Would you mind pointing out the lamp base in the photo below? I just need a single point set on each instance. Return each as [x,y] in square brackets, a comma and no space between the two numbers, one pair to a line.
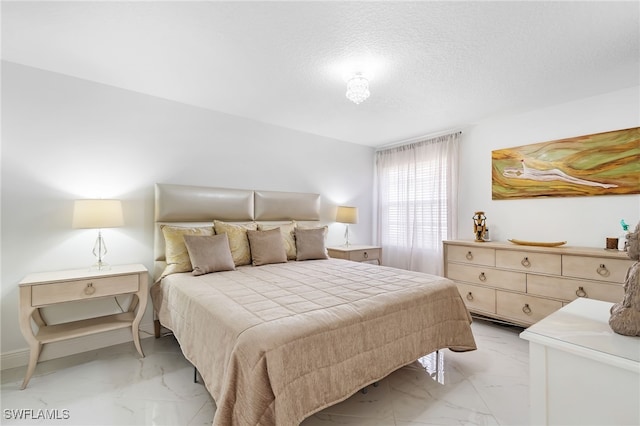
[99,250]
[100,266]
[346,236]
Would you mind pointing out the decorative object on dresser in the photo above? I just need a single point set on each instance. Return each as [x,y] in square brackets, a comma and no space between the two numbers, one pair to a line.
[347,215]
[538,243]
[44,289]
[622,241]
[625,315]
[523,284]
[357,253]
[611,243]
[479,226]
[581,372]
[98,214]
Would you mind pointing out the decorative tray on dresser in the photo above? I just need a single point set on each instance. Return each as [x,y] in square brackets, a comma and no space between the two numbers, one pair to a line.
[521,284]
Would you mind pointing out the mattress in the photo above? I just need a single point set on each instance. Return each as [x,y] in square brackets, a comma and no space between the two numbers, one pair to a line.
[276,343]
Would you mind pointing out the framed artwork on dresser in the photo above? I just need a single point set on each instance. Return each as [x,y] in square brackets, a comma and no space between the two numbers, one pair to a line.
[599,164]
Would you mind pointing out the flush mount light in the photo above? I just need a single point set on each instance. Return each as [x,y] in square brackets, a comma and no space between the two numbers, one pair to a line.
[357,88]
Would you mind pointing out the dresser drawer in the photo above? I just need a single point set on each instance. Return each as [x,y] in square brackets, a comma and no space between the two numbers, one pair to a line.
[472,255]
[524,308]
[545,263]
[570,289]
[65,291]
[595,268]
[478,298]
[488,277]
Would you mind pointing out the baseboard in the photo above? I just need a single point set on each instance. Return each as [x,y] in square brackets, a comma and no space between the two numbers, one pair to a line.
[20,358]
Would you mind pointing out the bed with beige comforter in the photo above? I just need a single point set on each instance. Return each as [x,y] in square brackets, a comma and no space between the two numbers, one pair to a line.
[276,343]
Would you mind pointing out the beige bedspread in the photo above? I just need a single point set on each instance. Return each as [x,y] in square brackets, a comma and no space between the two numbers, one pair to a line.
[276,343]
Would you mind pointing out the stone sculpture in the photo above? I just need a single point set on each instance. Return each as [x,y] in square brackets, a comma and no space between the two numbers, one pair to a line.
[625,315]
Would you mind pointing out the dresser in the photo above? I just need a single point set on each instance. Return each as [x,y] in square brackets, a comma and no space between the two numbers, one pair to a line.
[523,284]
[44,289]
[581,372]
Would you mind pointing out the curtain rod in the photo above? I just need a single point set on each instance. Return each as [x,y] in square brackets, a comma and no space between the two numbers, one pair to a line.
[417,139]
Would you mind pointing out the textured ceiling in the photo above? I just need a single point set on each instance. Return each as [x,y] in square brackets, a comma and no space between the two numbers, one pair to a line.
[435,66]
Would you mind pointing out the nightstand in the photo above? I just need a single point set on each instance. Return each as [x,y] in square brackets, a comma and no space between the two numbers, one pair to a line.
[357,253]
[49,288]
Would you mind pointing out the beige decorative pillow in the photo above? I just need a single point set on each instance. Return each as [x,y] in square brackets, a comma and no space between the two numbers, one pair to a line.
[209,254]
[176,254]
[266,247]
[310,243]
[238,241]
[288,236]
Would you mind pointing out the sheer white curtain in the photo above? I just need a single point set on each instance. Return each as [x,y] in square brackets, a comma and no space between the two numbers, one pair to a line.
[417,202]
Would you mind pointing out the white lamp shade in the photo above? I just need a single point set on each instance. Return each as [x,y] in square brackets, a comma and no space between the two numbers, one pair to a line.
[97,214]
[347,214]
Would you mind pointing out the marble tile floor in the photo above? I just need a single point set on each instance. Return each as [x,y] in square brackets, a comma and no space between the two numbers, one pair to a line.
[113,386]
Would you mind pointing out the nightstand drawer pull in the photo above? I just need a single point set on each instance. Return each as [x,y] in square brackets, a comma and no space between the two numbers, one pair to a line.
[482,277]
[469,296]
[602,270]
[89,289]
[580,292]
[525,262]
[365,255]
[526,309]
[469,256]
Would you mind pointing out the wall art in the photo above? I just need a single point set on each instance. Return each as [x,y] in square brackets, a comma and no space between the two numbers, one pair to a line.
[599,164]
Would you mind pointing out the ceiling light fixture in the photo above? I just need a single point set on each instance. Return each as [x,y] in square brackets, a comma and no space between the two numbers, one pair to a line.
[357,88]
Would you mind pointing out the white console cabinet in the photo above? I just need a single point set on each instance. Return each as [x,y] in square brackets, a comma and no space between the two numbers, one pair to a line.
[581,372]
[523,284]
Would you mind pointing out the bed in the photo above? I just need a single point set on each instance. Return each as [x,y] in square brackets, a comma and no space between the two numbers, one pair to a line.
[278,342]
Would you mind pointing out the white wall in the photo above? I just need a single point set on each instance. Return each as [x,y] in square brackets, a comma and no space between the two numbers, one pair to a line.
[581,221]
[64,138]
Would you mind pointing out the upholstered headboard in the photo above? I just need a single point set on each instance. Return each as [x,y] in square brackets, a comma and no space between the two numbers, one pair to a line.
[199,205]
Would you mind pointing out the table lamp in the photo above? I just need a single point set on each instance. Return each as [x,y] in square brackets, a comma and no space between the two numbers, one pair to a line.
[98,214]
[347,215]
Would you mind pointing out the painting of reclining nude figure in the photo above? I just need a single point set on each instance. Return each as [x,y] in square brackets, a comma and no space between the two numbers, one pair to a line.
[599,164]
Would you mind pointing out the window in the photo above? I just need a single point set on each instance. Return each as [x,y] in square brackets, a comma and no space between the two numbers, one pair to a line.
[417,202]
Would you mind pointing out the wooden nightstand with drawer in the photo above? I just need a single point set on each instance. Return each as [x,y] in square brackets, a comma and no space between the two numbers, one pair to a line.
[49,288]
[356,253]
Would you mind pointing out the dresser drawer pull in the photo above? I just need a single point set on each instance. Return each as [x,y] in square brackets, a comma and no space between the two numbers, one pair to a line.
[602,270]
[89,289]
[580,292]
[482,277]
[469,256]
[365,255]
[525,262]
[469,296]
[526,309]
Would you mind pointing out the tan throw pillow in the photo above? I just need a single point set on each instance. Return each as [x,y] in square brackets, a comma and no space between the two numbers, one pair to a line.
[176,254]
[288,237]
[266,247]
[310,243]
[238,241]
[209,254]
